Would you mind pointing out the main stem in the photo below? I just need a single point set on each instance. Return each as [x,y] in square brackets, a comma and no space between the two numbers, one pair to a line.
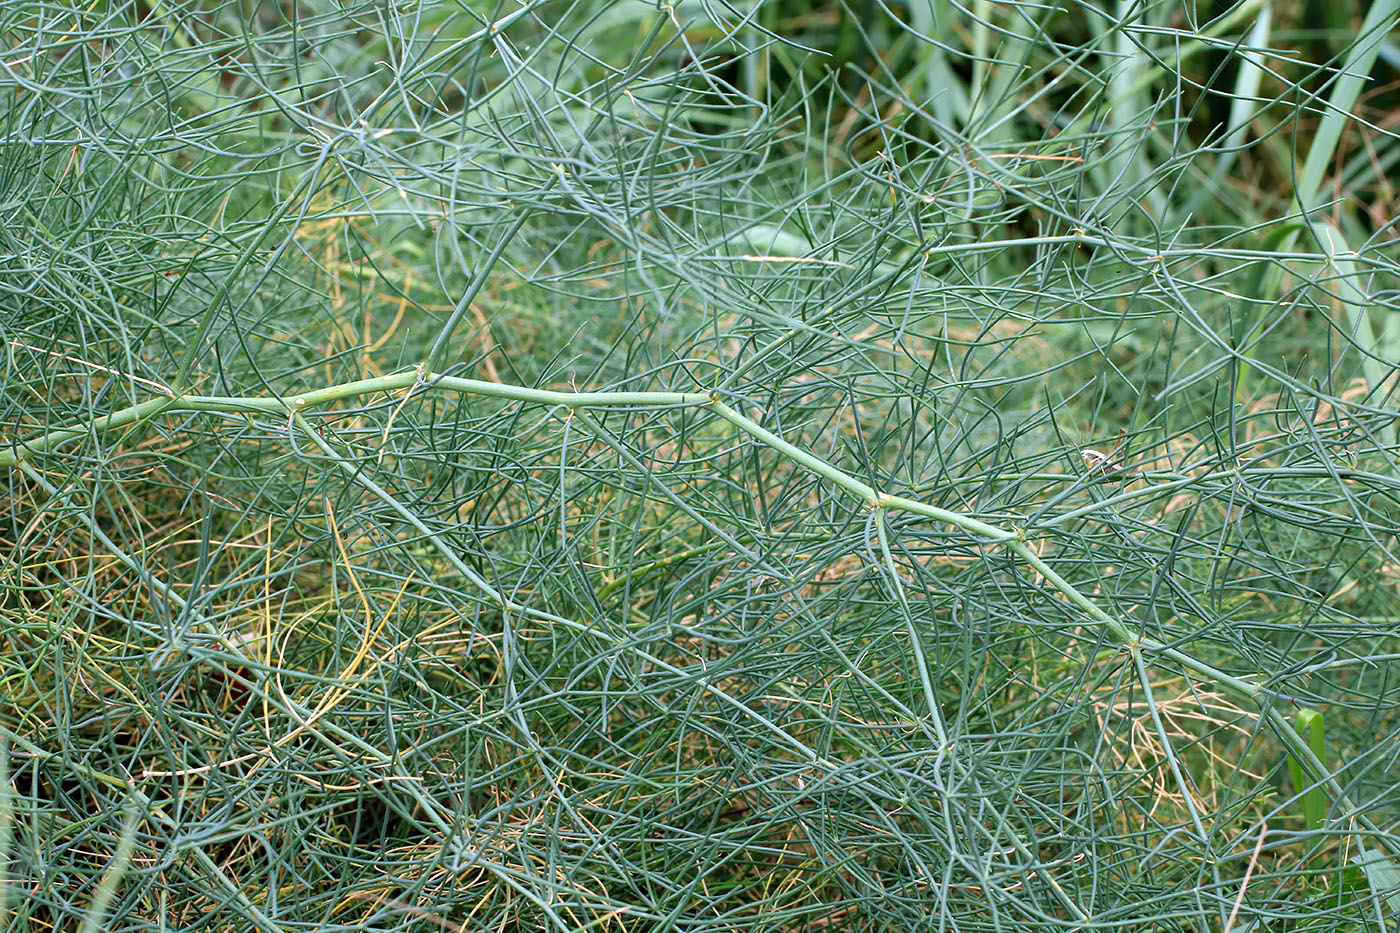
[292,406]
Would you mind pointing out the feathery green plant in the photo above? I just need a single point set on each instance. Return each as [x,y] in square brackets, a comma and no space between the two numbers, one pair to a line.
[589,466]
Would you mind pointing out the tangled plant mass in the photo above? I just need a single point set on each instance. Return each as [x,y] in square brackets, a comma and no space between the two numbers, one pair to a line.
[771,468]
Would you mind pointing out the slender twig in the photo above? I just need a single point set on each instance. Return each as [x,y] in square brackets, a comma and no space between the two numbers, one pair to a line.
[296,406]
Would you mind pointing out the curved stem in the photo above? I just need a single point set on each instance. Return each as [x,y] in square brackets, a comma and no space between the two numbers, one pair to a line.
[1015,541]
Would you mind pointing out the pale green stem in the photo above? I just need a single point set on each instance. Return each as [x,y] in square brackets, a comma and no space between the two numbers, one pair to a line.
[1187,794]
[293,406]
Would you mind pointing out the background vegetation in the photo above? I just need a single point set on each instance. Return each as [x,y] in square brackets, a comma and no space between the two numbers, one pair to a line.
[348,582]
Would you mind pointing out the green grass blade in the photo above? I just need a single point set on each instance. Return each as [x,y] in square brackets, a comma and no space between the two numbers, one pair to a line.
[1314,799]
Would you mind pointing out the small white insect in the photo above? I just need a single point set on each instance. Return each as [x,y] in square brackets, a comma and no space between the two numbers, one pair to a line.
[1100,462]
